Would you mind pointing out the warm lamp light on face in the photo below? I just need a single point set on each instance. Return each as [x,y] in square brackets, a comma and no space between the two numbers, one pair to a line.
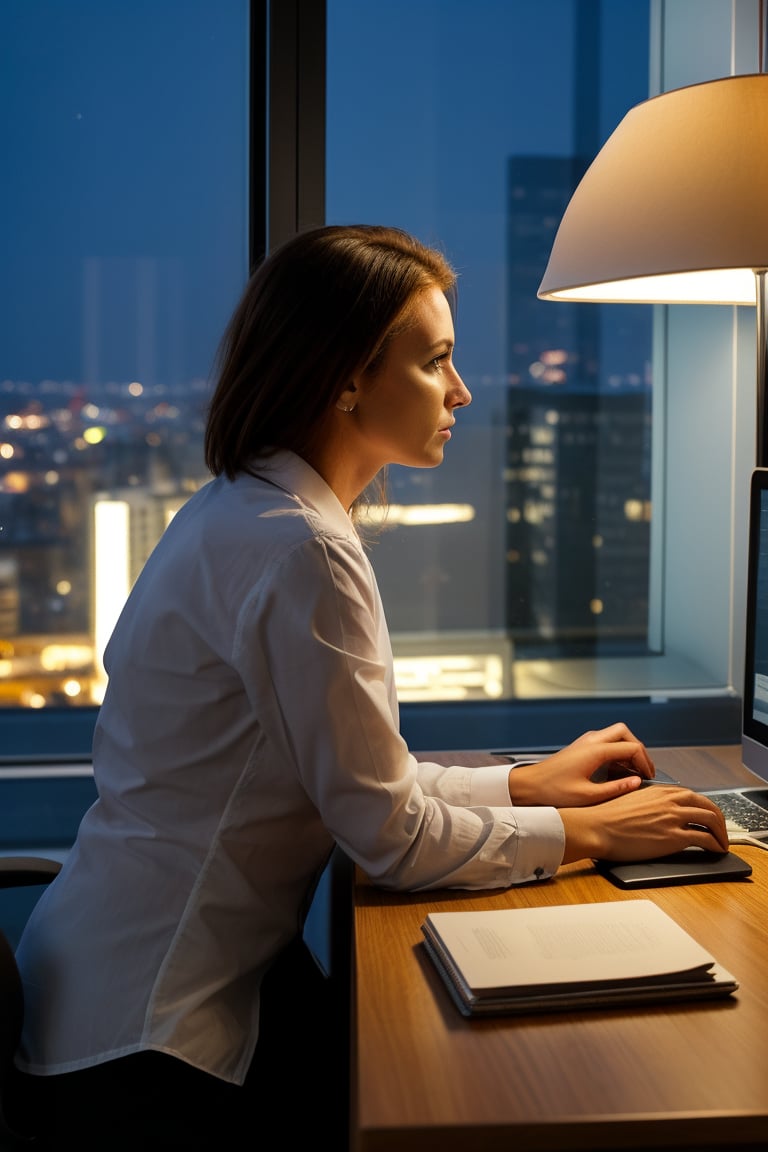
[674,210]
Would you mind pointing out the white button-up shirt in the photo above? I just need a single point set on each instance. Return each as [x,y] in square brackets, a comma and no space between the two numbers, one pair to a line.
[250,721]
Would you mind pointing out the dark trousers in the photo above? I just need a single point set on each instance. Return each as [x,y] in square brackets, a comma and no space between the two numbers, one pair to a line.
[297,1085]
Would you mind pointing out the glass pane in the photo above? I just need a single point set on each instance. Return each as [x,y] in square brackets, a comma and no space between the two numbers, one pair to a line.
[124,239]
[469,123]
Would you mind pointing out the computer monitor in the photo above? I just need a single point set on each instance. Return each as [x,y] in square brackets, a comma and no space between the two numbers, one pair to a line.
[755,706]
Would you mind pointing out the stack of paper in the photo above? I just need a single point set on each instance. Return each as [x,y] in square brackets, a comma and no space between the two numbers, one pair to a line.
[569,956]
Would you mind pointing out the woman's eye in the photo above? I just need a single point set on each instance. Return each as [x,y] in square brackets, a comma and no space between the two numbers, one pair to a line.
[437,363]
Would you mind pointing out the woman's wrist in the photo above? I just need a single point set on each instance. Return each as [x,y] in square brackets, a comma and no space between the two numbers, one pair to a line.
[524,785]
[583,840]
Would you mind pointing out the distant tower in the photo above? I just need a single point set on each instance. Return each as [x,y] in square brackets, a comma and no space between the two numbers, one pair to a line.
[125,526]
[577,489]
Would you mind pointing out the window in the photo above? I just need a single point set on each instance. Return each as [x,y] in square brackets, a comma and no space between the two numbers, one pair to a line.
[125,241]
[532,541]
[583,540]
[563,561]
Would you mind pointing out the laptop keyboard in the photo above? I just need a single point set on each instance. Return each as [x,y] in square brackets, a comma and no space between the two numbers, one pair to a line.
[742,814]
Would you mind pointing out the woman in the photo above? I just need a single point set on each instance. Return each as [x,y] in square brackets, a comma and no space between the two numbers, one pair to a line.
[250,724]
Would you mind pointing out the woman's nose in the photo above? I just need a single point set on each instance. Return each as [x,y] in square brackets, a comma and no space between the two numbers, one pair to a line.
[461,395]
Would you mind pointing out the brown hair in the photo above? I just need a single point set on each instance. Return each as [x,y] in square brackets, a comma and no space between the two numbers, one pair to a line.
[316,313]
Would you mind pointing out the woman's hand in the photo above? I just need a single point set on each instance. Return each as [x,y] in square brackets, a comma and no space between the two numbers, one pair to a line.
[615,818]
[564,780]
[644,824]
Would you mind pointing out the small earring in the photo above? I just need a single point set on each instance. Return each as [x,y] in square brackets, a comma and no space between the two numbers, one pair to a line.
[345,407]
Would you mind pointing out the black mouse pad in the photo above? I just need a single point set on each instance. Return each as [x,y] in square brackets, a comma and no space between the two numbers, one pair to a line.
[691,866]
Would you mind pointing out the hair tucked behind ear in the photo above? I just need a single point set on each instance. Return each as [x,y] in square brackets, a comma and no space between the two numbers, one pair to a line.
[317,312]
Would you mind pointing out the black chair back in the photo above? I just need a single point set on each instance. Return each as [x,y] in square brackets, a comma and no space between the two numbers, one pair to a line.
[15,872]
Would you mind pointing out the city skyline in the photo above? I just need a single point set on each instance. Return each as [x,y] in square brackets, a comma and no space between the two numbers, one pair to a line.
[116,314]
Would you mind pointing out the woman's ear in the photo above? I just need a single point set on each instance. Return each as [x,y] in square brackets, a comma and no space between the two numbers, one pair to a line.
[347,402]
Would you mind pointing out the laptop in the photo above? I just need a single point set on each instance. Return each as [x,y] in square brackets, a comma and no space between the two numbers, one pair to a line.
[746,809]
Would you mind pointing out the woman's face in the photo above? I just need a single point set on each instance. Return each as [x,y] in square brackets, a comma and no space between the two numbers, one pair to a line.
[405,409]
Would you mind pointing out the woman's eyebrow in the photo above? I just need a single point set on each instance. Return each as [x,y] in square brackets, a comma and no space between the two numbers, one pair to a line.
[444,343]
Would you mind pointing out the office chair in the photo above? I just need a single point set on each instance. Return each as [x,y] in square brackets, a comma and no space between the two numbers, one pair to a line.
[15,872]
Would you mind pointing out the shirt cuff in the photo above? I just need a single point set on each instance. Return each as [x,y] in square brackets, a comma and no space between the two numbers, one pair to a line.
[489,786]
[540,839]
[540,842]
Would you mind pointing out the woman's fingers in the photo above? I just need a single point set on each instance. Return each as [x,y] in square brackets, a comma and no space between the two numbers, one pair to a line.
[620,747]
[706,818]
[645,823]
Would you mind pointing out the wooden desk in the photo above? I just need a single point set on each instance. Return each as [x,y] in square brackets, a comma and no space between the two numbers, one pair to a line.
[689,1077]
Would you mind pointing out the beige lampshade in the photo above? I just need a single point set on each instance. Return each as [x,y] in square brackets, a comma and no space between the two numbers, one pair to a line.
[674,208]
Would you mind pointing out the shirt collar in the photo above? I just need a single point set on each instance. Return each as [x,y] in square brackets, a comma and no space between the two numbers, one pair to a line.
[292,473]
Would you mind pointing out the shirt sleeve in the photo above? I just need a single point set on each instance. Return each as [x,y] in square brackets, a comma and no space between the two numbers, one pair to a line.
[539,829]
[327,703]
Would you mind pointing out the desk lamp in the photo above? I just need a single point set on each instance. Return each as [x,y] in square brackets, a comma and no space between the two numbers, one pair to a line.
[674,209]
